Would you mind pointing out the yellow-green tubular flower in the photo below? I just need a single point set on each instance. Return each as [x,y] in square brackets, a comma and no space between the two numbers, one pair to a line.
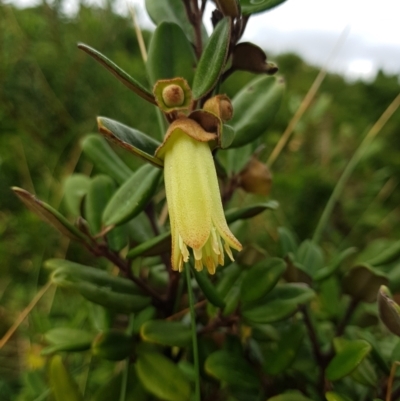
[194,202]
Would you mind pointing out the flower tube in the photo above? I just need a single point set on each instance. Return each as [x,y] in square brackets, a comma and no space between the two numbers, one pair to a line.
[194,202]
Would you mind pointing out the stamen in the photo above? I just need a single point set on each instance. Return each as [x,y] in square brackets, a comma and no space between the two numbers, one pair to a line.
[210,264]
[228,251]
[180,264]
[198,253]
[184,249]
[214,241]
[198,265]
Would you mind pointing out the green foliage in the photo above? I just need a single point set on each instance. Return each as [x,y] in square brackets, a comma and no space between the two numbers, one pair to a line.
[292,318]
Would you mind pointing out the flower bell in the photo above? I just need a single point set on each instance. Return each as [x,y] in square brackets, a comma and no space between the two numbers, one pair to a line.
[195,208]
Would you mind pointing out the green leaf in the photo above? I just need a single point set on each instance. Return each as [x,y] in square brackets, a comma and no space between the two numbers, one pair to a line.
[173,11]
[334,265]
[166,333]
[259,6]
[61,382]
[119,73]
[142,317]
[170,54]
[227,136]
[376,352]
[118,237]
[116,301]
[364,373]
[281,358]
[310,257]
[113,345]
[362,282]
[287,241]
[282,302]
[347,359]
[212,61]
[67,339]
[249,211]
[389,255]
[100,191]
[290,396]
[49,215]
[231,368]
[75,188]
[97,286]
[208,289]
[78,272]
[162,378]
[331,396]
[152,247]
[104,158]
[133,196]
[228,278]
[261,279]
[255,107]
[130,139]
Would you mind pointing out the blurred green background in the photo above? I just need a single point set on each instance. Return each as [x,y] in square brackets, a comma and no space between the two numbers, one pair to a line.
[50,94]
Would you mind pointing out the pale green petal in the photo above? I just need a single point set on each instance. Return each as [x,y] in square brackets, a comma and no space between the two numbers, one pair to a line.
[185,165]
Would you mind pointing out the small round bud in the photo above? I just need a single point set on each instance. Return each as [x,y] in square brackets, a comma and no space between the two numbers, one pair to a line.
[173,95]
[221,106]
[225,109]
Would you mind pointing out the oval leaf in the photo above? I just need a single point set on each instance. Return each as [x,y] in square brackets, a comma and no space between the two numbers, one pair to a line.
[170,54]
[212,60]
[67,339]
[104,158]
[130,139]
[232,369]
[347,360]
[285,352]
[388,255]
[310,257]
[255,107]
[259,6]
[227,136]
[162,378]
[132,197]
[119,73]
[282,302]
[287,241]
[261,279]
[166,333]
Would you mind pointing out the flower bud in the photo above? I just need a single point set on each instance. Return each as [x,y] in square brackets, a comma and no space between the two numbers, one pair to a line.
[221,106]
[173,95]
